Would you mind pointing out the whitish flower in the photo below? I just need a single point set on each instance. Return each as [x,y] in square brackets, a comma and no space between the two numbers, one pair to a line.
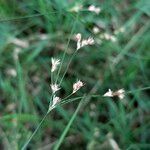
[113,144]
[109,37]
[120,30]
[12,72]
[16,52]
[78,39]
[95,30]
[55,63]
[19,42]
[84,42]
[90,41]
[113,38]
[55,100]
[76,8]
[109,93]
[120,93]
[55,88]
[78,36]
[43,36]
[92,8]
[77,86]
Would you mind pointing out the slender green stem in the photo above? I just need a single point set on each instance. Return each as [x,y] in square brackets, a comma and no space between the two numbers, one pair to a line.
[77,98]
[64,54]
[141,89]
[70,100]
[39,125]
[68,96]
[68,66]
[51,77]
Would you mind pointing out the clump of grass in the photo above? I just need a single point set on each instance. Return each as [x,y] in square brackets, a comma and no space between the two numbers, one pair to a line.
[55,87]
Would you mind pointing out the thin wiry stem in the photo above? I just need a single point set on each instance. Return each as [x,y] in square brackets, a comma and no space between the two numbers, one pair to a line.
[39,125]
[141,89]
[70,100]
[68,96]
[64,54]
[73,55]
[77,98]
[51,101]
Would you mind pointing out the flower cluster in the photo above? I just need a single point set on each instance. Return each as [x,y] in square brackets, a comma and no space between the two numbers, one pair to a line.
[96,30]
[77,86]
[109,37]
[92,8]
[76,8]
[120,30]
[55,101]
[55,87]
[120,93]
[81,43]
[55,63]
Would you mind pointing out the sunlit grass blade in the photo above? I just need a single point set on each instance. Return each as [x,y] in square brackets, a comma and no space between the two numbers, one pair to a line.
[58,144]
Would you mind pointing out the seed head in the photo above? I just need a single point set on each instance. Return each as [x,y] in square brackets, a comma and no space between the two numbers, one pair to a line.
[20,43]
[92,8]
[78,39]
[95,30]
[55,63]
[77,86]
[84,42]
[55,87]
[76,8]
[119,93]
[120,30]
[12,72]
[90,41]
[55,100]
[109,93]
[16,52]
[108,36]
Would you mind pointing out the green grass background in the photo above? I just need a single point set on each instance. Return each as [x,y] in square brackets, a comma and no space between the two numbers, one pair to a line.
[24,99]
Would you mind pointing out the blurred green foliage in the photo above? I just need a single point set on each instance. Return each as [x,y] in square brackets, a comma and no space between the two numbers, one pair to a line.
[43,28]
